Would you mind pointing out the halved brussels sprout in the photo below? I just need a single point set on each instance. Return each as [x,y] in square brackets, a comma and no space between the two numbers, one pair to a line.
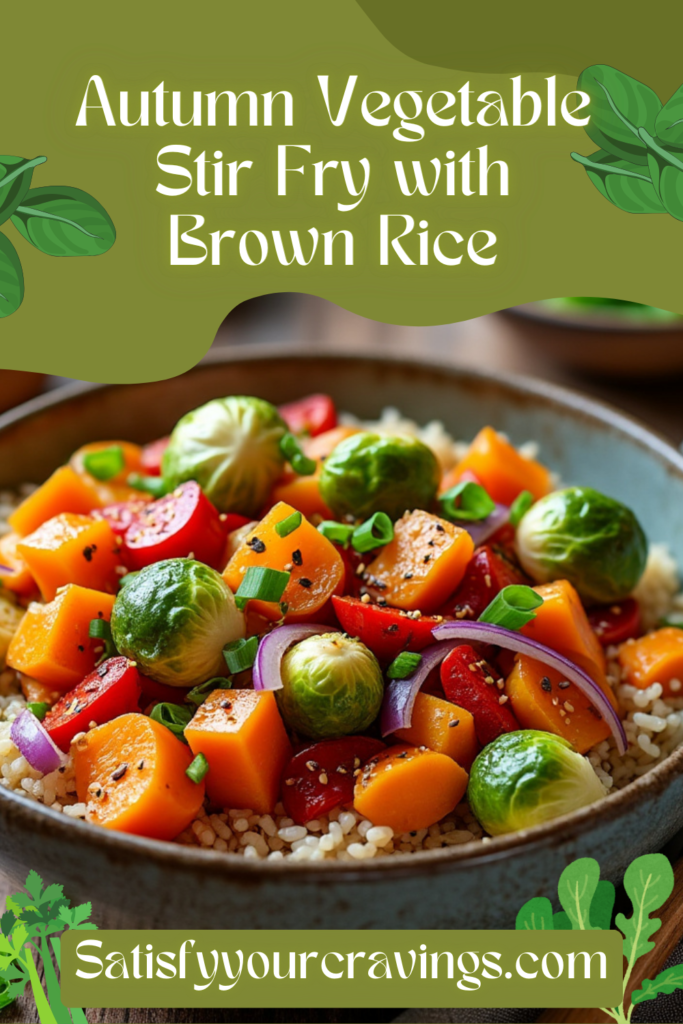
[583,536]
[527,777]
[231,447]
[369,473]
[174,618]
[332,686]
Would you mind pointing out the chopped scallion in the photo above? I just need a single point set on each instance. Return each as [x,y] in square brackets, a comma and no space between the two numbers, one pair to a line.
[99,629]
[300,463]
[39,709]
[468,501]
[174,716]
[240,654]
[198,694]
[520,506]
[198,769]
[261,584]
[375,532]
[404,665]
[154,485]
[512,608]
[105,463]
[340,533]
[288,525]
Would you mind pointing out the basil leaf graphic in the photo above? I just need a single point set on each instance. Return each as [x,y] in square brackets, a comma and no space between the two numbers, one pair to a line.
[11,278]
[619,106]
[669,122]
[536,915]
[625,184]
[668,981]
[576,888]
[666,170]
[15,181]
[649,881]
[603,905]
[64,221]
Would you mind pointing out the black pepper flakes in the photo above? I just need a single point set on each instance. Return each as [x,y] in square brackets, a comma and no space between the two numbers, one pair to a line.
[227,704]
[452,724]
[393,628]
[407,575]
[88,552]
[119,772]
[546,685]
[303,581]
[440,528]
[564,685]
[297,557]
[427,558]
[256,545]
[81,648]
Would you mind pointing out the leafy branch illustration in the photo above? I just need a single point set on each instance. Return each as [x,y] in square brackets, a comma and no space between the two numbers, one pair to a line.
[57,219]
[587,904]
[639,166]
[29,928]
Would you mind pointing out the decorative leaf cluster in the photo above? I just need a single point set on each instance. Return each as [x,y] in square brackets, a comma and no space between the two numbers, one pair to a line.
[30,925]
[639,166]
[57,219]
[587,904]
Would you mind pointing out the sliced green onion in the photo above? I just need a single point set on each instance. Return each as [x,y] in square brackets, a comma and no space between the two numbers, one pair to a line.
[373,533]
[520,506]
[300,463]
[340,533]
[174,716]
[240,654]
[198,769]
[154,485]
[288,525]
[198,694]
[512,608]
[404,665]
[261,584]
[99,629]
[105,463]
[468,501]
[39,709]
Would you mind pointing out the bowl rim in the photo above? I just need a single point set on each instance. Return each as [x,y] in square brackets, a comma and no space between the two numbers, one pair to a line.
[567,827]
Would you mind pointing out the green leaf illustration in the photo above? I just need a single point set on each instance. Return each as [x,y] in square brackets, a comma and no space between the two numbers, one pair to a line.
[669,122]
[603,905]
[576,888]
[620,105]
[64,221]
[561,921]
[666,170]
[536,915]
[668,981]
[34,886]
[624,183]
[15,181]
[649,881]
[5,995]
[7,922]
[11,278]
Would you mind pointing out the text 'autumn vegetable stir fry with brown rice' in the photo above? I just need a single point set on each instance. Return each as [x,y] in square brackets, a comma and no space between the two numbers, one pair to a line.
[282,636]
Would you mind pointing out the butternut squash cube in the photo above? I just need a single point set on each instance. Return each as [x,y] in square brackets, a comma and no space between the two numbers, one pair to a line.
[71,548]
[443,727]
[64,491]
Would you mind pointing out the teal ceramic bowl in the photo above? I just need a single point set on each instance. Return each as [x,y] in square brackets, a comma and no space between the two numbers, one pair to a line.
[139,882]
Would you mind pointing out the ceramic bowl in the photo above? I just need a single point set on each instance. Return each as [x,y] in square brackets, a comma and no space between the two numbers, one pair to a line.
[138,882]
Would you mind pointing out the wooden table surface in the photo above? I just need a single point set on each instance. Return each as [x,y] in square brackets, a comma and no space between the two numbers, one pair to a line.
[496,342]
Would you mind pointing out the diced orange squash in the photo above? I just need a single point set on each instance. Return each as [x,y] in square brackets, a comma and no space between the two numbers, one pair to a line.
[655,658]
[52,643]
[315,565]
[72,548]
[424,563]
[322,445]
[116,489]
[562,624]
[443,727]
[38,693]
[501,469]
[409,788]
[130,773]
[64,491]
[241,734]
[542,698]
[14,572]
[302,493]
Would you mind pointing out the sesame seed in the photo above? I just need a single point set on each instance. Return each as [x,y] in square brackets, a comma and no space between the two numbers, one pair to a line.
[312,766]
[289,782]
[322,779]
[568,707]
[503,699]
[564,685]
[452,724]
[366,599]
[119,772]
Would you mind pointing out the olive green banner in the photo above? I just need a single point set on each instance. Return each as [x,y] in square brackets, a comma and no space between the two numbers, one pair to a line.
[341,968]
[189,160]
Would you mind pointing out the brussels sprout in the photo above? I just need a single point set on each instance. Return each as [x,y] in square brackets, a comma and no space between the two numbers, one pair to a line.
[231,447]
[332,686]
[174,619]
[369,473]
[525,778]
[582,536]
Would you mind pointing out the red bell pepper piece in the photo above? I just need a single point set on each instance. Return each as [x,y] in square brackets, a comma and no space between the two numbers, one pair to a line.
[152,455]
[386,631]
[485,576]
[323,775]
[110,690]
[312,415]
[182,523]
[464,679]
[123,514]
[615,623]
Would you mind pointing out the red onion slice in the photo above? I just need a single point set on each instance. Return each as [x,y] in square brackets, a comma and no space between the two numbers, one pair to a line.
[481,529]
[400,695]
[273,648]
[35,743]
